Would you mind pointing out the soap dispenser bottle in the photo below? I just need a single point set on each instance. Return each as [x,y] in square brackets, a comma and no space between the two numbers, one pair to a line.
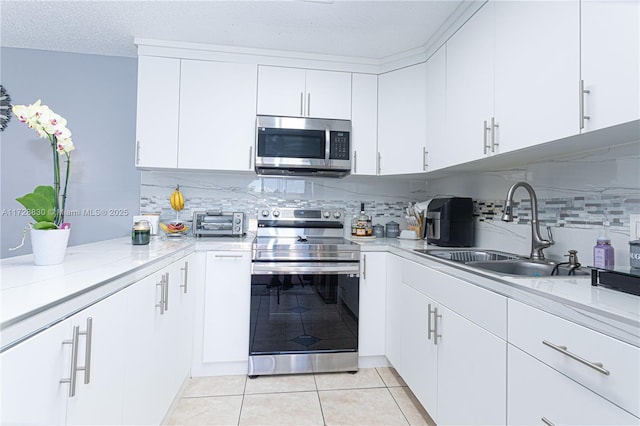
[603,254]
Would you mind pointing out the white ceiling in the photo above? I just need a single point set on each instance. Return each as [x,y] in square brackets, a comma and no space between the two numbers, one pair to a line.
[367,29]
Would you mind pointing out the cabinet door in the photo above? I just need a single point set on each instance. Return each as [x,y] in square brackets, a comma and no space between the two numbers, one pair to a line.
[394,311]
[31,374]
[470,86]
[227,304]
[610,55]
[372,318]
[157,113]
[537,59]
[471,369]
[100,400]
[401,121]
[146,396]
[439,152]
[420,365]
[281,91]
[217,115]
[180,324]
[328,94]
[538,394]
[364,124]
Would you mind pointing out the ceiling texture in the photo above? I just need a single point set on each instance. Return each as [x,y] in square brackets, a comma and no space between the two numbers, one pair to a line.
[359,29]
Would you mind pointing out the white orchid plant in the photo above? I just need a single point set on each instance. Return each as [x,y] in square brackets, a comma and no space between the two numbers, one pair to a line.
[46,204]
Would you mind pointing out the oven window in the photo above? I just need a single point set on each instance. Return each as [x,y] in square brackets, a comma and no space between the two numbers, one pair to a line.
[291,143]
[303,314]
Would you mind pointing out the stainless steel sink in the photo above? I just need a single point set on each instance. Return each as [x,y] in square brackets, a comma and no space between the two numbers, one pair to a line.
[527,268]
[466,255]
[503,263]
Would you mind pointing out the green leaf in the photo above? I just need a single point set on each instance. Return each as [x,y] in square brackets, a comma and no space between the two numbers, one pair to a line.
[40,204]
[44,225]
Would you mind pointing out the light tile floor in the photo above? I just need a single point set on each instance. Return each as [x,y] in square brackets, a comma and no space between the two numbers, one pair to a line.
[373,396]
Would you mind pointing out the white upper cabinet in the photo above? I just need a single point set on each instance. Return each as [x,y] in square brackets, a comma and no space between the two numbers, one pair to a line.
[364,124]
[402,121]
[217,115]
[610,55]
[157,114]
[297,92]
[438,151]
[537,59]
[470,88]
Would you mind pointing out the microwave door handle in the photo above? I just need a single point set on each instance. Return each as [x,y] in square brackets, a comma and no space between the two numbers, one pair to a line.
[327,146]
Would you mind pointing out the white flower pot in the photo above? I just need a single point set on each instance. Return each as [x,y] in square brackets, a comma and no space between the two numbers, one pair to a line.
[49,245]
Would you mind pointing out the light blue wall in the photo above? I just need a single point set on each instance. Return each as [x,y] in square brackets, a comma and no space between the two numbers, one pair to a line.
[97,96]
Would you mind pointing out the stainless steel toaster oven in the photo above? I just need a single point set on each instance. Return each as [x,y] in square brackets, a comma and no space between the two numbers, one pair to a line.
[215,223]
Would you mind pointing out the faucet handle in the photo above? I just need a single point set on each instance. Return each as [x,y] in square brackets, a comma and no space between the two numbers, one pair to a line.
[573,258]
[550,235]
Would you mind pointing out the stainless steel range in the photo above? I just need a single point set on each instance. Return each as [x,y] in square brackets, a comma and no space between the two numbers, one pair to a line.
[304,293]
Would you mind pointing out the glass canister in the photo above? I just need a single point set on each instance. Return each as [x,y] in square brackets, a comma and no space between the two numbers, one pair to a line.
[141,233]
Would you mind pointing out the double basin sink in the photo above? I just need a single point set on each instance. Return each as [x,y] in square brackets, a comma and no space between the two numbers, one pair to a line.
[505,263]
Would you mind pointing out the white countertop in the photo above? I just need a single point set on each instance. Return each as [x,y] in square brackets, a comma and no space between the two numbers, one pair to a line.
[612,312]
[32,297]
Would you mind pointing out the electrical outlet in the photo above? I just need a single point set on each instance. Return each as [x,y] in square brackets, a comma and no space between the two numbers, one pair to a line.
[634,226]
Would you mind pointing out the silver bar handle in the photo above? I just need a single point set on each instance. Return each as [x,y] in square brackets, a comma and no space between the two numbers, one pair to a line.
[87,353]
[308,104]
[73,370]
[581,103]
[355,161]
[186,274]
[364,266]
[563,350]
[424,158]
[137,153]
[494,126]
[547,422]
[161,303]
[250,156]
[436,335]
[227,256]
[429,331]
[485,129]
[166,292]
[379,160]
[302,104]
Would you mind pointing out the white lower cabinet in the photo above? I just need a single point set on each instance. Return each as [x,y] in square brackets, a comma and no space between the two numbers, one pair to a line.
[32,392]
[226,306]
[538,394]
[371,316]
[455,367]
[157,313]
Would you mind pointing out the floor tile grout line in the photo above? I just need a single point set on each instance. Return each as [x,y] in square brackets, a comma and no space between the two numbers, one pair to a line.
[399,407]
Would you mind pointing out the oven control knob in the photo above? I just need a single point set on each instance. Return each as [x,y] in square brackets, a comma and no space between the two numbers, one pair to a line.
[276,213]
[265,213]
[337,214]
[326,214]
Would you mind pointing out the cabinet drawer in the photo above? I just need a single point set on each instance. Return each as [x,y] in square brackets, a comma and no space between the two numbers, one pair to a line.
[605,365]
[537,392]
[478,305]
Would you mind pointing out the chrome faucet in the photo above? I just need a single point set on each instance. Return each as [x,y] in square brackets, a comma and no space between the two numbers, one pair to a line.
[537,242]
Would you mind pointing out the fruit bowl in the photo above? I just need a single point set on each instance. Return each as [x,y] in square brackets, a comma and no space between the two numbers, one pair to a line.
[174,228]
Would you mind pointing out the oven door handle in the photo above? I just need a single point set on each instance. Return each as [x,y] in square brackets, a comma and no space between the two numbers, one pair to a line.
[344,268]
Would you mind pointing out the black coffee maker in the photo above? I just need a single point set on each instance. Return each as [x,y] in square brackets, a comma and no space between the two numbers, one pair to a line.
[449,222]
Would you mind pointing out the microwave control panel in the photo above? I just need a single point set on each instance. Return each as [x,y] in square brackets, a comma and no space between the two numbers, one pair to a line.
[339,145]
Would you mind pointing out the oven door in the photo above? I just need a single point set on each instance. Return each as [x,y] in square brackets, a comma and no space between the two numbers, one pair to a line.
[303,310]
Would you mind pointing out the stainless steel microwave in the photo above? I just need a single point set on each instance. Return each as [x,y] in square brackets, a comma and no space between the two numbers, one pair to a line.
[293,146]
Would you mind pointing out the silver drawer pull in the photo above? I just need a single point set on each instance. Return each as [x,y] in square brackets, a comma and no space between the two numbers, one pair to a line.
[73,369]
[547,422]
[563,349]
